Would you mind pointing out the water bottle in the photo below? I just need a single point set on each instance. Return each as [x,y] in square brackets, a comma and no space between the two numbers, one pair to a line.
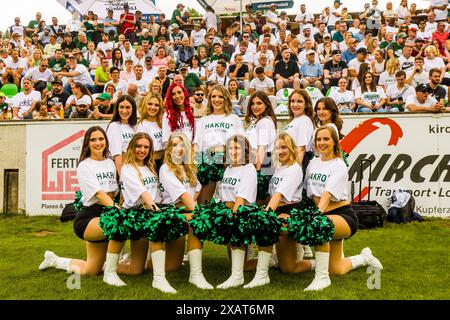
[9,113]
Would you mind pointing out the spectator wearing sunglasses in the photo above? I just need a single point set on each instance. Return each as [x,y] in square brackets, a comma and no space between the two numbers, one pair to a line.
[198,102]
[40,76]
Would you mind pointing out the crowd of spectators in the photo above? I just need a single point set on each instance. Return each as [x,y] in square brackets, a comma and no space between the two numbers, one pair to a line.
[379,60]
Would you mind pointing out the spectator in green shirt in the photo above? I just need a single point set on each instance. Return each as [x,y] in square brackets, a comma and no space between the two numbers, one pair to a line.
[191,80]
[57,62]
[395,49]
[177,16]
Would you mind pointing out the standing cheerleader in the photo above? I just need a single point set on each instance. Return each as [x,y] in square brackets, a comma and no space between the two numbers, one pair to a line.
[152,109]
[301,127]
[238,187]
[326,113]
[140,186]
[96,175]
[180,186]
[326,183]
[178,115]
[285,191]
[212,131]
[121,128]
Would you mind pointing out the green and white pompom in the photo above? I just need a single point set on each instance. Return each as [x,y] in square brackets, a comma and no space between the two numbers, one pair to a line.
[119,224]
[262,186]
[212,222]
[309,227]
[77,202]
[166,225]
[210,168]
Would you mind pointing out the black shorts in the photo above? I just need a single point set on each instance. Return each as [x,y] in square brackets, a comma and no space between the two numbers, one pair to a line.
[83,218]
[349,215]
[287,208]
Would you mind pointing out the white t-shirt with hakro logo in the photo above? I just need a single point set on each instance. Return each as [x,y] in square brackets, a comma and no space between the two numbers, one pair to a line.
[133,185]
[288,180]
[240,182]
[327,176]
[301,129]
[262,133]
[172,188]
[119,136]
[94,176]
[214,130]
[154,131]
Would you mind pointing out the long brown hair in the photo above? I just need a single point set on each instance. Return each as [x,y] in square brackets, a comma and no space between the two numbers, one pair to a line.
[268,112]
[144,108]
[308,103]
[337,148]
[86,151]
[130,155]
[190,169]
[330,105]
[373,84]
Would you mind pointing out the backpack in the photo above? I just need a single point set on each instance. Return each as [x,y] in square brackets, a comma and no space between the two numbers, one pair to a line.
[402,207]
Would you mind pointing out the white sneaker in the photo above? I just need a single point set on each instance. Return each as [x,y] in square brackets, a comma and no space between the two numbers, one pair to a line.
[49,260]
[307,252]
[163,285]
[370,260]
[231,282]
[319,283]
[113,279]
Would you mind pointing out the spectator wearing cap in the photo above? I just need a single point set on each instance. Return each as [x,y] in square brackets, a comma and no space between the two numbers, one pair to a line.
[103,108]
[351,52]
[303,17]
[286,71]
[52,46]
[272,18]
[82,108]
[127,22]
[77,73]
[283,19]
[177,15]
[311,71]
[176,36]
[17,40]
[56,96]
[394,49]
[355,63]
[197,35]
[68,45]
[73,25]
[24,102]
[305,35]
[333,70]
[422,102]
[79,56]
[190,79]
[302,56]
[110,24]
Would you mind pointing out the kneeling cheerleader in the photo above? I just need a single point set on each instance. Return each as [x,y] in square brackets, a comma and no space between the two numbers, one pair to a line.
[180,186]
[326,184]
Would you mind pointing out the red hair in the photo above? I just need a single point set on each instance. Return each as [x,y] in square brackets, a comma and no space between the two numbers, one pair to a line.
[173,113]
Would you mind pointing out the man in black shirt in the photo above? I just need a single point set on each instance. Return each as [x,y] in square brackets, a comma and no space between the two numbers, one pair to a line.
[240,72]
[286,71]
[436,91]
[68,45]
[333,70]
[57,96]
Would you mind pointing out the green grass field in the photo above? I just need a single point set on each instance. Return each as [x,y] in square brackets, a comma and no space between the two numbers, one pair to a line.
[415,259]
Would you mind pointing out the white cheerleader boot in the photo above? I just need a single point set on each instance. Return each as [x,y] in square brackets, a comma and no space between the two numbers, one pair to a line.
[300,252]
[237,270]
[307,252]
[110,275]
[196,276]
[159,273]
[262,271]
[365,258]
[51,260]
[322,278]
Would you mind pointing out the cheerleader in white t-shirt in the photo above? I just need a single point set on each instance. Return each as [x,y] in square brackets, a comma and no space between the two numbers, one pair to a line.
[326,113]
[285,191]
[178,115]
[301,127]
[180,186]
[152,108]
[326,184]
[121,128]
[212,131]
[96,175]
[238,187]
[140,186]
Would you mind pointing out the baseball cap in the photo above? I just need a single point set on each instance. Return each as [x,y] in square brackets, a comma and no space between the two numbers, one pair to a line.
[2,94]
[84,100]
[81,33]
[402,35]
[310,52]
[413,28]
[362,50]
[422,87]
[333,52]
[183,66]
[104,96]
[307,26]
[218,42]
[283,12]
[57,81]
[174,26]
[148,58]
